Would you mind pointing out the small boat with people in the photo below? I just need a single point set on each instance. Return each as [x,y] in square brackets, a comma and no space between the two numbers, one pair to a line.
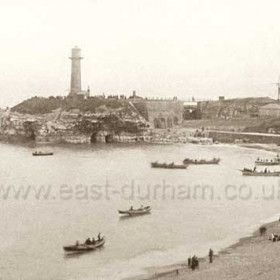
[253,172]
[168,165]
[267,162]
[201,161]
[133,212]
[88,245]
[274,161]
[40,153]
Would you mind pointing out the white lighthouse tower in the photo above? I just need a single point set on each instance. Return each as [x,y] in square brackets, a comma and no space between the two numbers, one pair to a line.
[76,81]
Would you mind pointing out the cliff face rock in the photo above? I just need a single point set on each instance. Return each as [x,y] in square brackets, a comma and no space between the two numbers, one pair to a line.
[73,126]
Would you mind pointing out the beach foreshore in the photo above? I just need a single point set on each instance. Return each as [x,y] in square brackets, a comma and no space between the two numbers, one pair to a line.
[260,146]
[253,257]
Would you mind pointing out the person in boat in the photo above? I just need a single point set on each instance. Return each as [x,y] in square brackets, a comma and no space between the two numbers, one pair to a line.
[88,242]
[197,262]
[99,236]
[93,241]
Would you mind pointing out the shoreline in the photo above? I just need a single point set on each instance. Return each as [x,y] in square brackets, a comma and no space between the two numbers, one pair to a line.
[261,146]
[248,258]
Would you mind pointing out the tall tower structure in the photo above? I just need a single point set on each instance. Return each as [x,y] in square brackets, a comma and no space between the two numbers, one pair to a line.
[76,71]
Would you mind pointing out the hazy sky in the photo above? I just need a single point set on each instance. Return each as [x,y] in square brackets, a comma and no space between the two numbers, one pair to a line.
[164,48]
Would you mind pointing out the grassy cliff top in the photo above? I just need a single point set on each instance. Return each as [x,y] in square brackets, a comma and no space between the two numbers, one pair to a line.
[41,105]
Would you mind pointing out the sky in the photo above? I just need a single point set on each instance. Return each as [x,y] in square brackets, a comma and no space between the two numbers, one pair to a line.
[160,48]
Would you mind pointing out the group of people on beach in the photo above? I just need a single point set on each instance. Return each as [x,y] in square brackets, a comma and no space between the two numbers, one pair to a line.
[274,237]
[193,262]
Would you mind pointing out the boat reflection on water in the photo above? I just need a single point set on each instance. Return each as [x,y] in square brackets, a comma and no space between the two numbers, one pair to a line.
[77,254]
[128,217]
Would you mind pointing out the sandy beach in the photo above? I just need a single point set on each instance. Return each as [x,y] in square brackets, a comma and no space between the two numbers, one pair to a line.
[253,257]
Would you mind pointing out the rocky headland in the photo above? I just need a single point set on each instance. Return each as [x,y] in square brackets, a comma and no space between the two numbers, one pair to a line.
[62,120]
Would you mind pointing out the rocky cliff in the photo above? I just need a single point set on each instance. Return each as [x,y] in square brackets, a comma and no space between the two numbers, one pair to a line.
[64,124]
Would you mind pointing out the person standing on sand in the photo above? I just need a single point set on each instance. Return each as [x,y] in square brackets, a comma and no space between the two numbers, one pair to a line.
[193,264]
[189,261]
[211,253]
[196,262]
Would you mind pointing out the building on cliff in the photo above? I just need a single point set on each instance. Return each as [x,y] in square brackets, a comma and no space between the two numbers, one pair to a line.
[76,80]
[160,114]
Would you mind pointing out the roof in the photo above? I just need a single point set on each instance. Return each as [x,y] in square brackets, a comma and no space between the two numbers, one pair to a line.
[271,106]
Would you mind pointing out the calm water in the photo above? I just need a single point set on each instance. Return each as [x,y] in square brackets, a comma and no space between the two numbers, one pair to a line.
[33,229]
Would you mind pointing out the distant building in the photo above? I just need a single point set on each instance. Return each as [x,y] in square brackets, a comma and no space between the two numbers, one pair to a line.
[134,96]
[164,114]
[270,110]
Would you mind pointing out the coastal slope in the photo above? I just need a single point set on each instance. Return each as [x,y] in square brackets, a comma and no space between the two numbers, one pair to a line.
[253,257]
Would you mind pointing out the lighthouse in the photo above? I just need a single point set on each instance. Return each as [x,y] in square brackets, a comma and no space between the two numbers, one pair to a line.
[76,58]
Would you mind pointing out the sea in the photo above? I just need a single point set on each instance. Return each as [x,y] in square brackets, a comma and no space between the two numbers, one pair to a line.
[50,202]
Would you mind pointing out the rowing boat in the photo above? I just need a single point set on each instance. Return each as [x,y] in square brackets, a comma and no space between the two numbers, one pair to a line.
[267,163]
[42,153]
[201,161]
[168,165]
[85,247]
[140,211]
[249,172]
